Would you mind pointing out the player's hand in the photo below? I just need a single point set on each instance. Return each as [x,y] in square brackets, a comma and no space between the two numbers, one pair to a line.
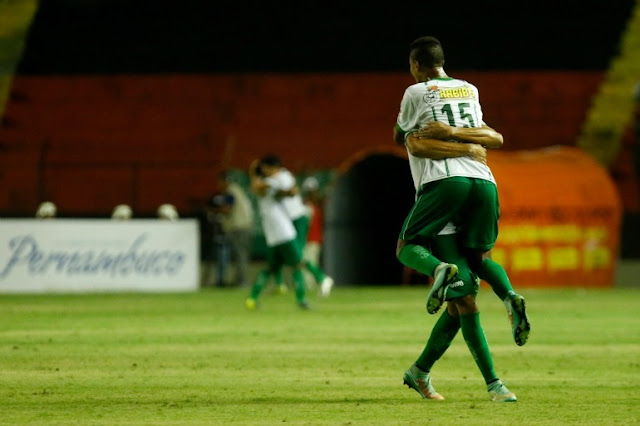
[434,130]
[478,152]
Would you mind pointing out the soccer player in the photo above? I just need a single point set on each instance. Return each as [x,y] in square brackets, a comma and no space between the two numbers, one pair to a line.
[452,187]
[491,271]
[434,99]
[461,314]
[237,224]
[299,214]
[314,200]
[280,234]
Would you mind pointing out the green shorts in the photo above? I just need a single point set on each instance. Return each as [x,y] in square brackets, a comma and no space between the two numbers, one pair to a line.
[472,204]
[477,222]
[447,248]
[284,254]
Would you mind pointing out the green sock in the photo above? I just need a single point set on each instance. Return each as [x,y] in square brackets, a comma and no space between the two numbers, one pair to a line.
[478,345]
[258,285]
[494,274]
[418,258]
[301,289]
[277,277]
[441,337]
[315,270]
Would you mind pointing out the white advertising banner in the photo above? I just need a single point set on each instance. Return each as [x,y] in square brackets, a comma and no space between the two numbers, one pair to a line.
[98,255]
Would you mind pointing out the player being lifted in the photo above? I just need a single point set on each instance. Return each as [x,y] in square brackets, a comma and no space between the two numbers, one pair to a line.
[299,214]
[280,234]
[454,189]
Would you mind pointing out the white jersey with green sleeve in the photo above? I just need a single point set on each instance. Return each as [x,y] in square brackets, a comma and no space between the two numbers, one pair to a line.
[450,101]
[276,224]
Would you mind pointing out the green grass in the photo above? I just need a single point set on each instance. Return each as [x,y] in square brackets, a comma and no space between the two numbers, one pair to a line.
[203,359]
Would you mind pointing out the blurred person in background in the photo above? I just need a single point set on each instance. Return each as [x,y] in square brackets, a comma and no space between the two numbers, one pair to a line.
[280,234]
[167,212]
[122,212]
[46,210]
[218,207]
[299,214]
[230,215]
[314,201]
[453,183]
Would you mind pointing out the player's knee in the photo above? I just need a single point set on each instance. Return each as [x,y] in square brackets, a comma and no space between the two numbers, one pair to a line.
[452,309]
[465,304]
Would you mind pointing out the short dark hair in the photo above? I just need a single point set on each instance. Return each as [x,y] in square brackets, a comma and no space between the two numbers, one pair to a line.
[271,160]
[427,51]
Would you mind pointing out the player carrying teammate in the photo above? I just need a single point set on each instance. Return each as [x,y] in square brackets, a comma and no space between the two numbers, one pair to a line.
[452,188]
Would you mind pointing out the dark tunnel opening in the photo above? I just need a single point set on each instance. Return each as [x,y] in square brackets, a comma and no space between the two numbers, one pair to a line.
[364,214]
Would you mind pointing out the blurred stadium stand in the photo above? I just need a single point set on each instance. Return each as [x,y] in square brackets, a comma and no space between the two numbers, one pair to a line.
[114,101]
[91,141]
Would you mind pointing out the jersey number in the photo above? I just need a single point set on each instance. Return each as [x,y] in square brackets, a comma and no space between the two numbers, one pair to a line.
[448,110]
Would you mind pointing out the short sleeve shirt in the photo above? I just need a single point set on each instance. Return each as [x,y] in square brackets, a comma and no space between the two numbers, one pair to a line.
[450,101]
[276,224]
[294,205]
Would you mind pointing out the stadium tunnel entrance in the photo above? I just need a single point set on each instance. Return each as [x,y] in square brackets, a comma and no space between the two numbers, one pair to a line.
[364,213]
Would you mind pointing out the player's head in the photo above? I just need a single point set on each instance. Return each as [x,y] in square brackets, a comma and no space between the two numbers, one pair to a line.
[310,184]
[425,53]
[310,188]
[270,164]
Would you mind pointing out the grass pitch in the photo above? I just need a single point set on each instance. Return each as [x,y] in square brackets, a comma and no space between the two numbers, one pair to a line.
[203,359]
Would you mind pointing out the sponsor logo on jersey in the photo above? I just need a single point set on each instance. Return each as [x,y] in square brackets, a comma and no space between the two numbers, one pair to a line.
[461,92]
[435,94]
[432,96]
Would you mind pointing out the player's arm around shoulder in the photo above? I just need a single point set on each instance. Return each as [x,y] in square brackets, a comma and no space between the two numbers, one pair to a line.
[485,135]
[291,192]
[435,149]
